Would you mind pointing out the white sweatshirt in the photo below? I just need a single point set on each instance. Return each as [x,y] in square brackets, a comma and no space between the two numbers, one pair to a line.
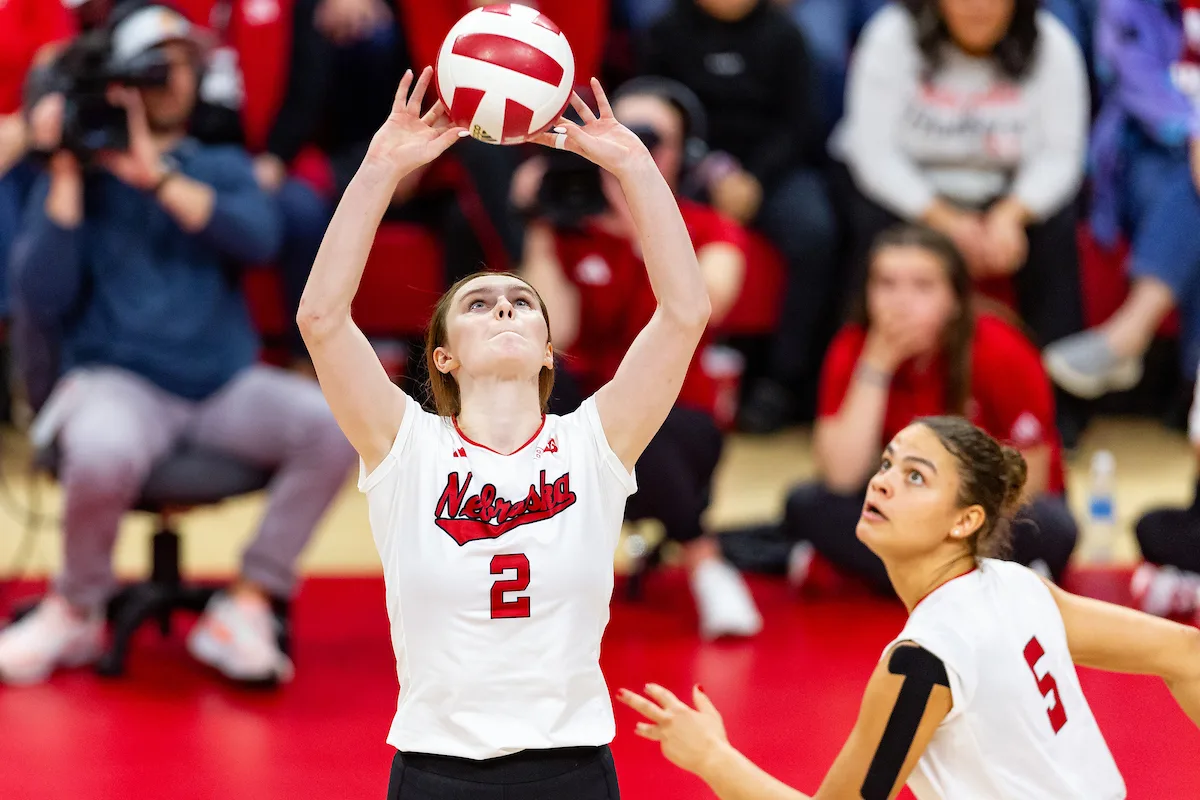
[969,135]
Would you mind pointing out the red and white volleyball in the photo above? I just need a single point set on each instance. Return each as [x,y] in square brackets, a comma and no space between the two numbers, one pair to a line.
[505,73]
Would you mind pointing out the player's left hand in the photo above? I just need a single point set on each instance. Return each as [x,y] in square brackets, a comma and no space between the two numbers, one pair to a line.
[140,165]
[689,736]
[600,139]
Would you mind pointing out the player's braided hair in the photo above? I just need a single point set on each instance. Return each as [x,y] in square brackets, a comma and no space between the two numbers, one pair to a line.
[991,475]
[443,389]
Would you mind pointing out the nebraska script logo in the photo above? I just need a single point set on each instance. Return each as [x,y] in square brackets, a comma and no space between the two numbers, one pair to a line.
[485,516]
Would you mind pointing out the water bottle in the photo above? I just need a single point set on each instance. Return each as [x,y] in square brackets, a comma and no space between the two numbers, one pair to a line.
[1102,510]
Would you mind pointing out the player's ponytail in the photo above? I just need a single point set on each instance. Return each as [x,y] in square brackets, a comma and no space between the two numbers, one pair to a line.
[1015,473]
[991,476]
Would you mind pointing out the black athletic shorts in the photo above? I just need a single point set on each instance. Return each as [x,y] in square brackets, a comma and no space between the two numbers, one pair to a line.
[570,773]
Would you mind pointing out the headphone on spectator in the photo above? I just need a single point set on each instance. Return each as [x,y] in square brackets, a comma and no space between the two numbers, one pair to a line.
[684,100]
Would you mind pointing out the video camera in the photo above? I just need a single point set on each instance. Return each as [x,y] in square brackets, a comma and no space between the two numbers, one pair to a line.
[83,73]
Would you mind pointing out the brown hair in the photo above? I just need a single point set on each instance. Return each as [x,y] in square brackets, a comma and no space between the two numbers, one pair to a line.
[441,386]
[960,331]
[991,475]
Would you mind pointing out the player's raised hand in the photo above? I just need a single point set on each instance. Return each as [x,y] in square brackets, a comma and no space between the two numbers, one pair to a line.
[408,138]
[601,139]
[689,736]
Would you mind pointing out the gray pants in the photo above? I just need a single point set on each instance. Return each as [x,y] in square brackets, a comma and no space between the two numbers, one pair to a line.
[112,426]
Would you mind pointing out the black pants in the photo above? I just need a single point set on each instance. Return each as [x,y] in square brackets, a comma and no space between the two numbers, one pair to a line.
[1047,287]
[578,773]
[797,216]
[1042,530]
[675,474]
[1171,536]
[676,469]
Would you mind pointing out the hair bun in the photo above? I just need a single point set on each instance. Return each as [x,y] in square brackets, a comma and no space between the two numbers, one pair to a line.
[1015,472]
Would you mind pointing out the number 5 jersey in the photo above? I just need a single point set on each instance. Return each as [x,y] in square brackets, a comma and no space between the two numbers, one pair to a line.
[499,573]
[1020,726]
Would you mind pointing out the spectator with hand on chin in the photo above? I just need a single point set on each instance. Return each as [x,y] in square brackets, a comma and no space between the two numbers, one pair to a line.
[918,346]
[133,265]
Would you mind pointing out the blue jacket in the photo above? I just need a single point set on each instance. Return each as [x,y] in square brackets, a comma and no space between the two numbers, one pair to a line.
[130,288]
[1137,41]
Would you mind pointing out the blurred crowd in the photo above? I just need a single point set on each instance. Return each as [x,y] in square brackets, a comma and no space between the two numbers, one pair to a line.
[900,209]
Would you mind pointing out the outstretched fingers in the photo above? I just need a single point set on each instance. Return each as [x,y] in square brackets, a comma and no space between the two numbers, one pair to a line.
[601,99]
[400,103]
[584,110]
[435,116]
[418,94]
[563,136]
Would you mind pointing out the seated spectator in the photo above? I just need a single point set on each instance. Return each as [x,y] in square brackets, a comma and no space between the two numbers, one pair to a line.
[594,284]
[1168,583]
[750,68]
[916,347]
[831,28]
[134,266]
[971,117]
[1146,154]
[26,26]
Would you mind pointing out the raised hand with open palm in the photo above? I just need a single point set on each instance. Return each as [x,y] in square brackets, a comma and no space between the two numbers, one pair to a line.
[409,139]
[601,139]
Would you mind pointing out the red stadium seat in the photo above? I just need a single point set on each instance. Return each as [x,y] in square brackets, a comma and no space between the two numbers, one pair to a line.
[401,283]
[756,311]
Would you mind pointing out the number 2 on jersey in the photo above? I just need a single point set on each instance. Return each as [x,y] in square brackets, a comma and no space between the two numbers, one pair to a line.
[518,607]
[1047,685]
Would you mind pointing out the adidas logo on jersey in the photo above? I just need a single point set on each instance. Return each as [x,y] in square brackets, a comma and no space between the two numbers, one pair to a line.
[551,447]
[484,515]
[460,452]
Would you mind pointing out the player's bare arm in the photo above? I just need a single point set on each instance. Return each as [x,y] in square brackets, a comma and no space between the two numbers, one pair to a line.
[633,405]
[906,699]
[366,404]
[1118,639]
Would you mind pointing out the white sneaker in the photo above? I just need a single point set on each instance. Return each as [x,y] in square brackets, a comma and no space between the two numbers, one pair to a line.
[800,559]
[52,635]
[723,601]
[1155,589]
[238,637]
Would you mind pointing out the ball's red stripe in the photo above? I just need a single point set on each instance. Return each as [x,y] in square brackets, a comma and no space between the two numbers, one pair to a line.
[517,119]
[511,54]
[542,21]
[464,104]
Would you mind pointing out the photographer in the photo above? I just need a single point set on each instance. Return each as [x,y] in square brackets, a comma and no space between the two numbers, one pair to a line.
[583,257]
[129,262]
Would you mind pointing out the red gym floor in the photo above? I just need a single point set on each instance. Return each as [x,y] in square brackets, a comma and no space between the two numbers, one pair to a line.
[171,730]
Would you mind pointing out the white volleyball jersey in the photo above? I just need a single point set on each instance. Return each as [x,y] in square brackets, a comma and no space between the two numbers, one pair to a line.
[499,573]
[1020,726]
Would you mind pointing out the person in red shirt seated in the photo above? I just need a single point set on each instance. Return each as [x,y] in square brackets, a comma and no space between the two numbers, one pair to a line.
[599,298]
[917,347]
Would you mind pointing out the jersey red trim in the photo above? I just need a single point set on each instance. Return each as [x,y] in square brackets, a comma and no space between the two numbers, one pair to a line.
[934,589]
[469,441]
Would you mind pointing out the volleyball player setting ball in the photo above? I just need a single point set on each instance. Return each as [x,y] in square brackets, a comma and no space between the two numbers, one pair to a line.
[496,524]
[977,697]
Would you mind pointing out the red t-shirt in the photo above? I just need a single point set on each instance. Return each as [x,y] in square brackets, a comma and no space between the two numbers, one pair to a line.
[25,26]
[616,300]
[1011,397]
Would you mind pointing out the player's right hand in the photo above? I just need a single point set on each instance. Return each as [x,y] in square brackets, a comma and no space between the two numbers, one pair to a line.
[408,139]
[689,736]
